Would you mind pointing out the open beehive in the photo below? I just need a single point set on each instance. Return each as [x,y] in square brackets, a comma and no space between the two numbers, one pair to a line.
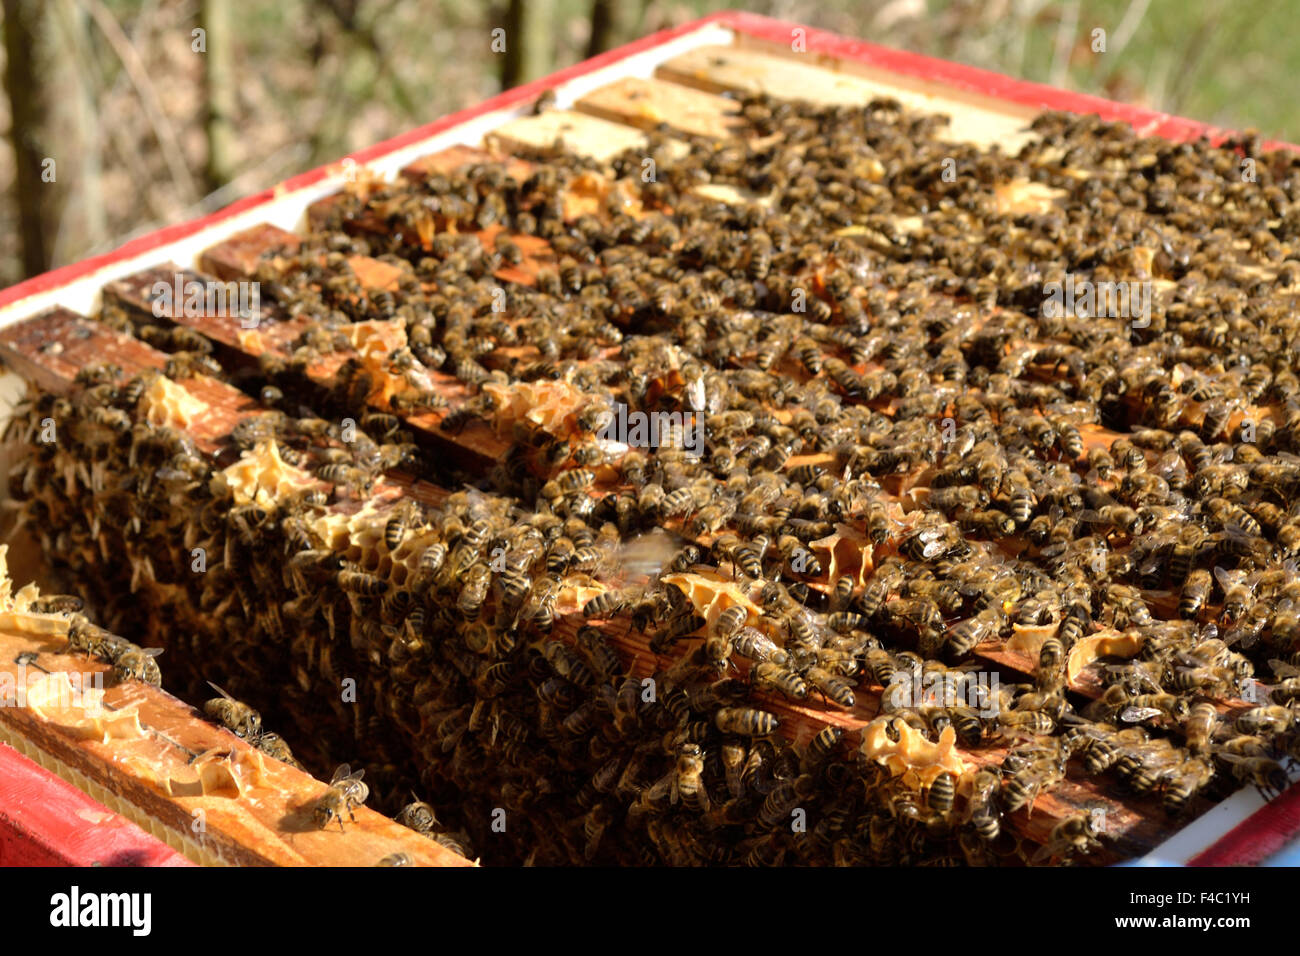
[386,516]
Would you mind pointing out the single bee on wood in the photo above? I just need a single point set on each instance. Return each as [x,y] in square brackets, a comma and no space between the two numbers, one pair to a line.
[237,717]
[136,663]
[345,793]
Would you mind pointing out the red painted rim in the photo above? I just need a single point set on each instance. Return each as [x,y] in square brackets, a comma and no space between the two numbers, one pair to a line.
[1258,837]
[46,821]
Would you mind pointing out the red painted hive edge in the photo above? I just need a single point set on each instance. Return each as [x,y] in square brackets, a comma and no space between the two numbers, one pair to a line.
[45,821]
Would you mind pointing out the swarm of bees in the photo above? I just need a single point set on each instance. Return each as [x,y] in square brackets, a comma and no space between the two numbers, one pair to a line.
[1005,467]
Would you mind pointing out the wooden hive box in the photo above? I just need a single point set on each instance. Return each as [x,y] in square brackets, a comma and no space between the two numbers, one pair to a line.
[684,78]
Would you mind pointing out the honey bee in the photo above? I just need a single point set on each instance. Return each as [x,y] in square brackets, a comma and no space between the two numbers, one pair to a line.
[273,746]
[981,806]
[1195,592]
[361,583]
[730,621]
[97,373]
[396,525]
[1264,773]
[782,799]
[1027,783]
[776,677]
[431,560]
[135,663]
[1030,721]
[832,686]
[1073,835]
[57,604]
[675,629]
[1199,727]
[968,497]
[188,364]
[595,824]
[91,639]
[1050,675]
[1127,455]
[1115,517]
[745,721]
[1265,719]
[984,626]
[1101,463]
[604,661]
[346,792]
[1238,592]
[1143,766]
[942,793]
[751,643]
[688,783]
[243,721]
[1189,545]
[356,482]
[1192,776]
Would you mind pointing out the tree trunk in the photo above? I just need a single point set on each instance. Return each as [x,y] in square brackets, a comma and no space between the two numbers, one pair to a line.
[75,126]
[529,24]
[22,19]
[613,22]
[219,90]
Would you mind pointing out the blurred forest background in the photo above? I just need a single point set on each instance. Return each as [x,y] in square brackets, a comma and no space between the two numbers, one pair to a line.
[144,128]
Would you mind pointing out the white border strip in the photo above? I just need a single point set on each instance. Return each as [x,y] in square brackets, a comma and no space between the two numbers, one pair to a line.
[1211,826]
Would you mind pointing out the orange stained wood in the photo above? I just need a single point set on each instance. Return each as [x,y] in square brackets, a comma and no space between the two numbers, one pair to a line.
[194,785]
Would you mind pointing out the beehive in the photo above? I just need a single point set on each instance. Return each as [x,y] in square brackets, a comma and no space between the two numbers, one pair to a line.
[467,693]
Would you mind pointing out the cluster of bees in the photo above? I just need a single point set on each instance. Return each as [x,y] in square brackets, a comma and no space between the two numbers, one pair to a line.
[130,661]
[868,355]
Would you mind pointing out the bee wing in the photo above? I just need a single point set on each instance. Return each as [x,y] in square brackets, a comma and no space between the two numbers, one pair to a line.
[662,786]
[1227,578]
[152,651]
[342,773]
[696,394]
[1283,669]
[1247,637]
[220,691]
[1134,715]
[1168,463]
[1047,851]
[646,555]
[1235,530]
